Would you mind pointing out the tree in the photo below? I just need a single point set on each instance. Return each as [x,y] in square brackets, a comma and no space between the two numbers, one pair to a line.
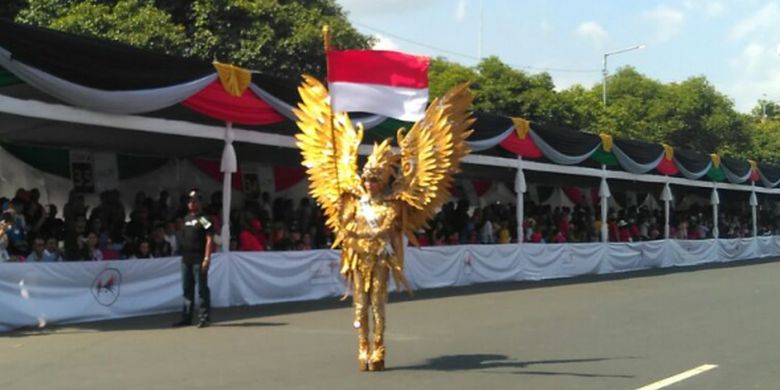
[9,8]
[134,22]
[444,75]
[275,37]
[766,142]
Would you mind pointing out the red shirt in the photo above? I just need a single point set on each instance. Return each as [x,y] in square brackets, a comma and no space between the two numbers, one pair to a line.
[247,242]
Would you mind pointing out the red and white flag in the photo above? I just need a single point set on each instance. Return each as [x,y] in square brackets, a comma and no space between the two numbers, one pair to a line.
[380,82]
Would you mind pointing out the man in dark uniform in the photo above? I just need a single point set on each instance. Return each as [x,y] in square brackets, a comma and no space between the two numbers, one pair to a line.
[197,238]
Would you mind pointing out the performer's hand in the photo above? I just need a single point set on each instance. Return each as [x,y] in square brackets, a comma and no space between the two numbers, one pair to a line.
[204,266]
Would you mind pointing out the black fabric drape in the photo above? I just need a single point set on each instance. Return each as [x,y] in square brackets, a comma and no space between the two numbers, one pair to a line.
[567,141]
[489,125]
[283,89]
[692,161]
[737,167]
[770,172]
[97,63]
[640,152]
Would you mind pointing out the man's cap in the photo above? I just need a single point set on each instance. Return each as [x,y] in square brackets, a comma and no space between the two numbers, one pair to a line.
[194,194]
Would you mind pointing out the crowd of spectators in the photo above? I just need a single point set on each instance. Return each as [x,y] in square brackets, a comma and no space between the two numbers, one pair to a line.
[151,227]
[496,223]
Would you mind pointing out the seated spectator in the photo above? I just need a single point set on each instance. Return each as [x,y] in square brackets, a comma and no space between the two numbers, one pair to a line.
[536,236]
[453,239]
[624,231]
[52,253]
[558,237]
[38,251]
[422,238]
[159,246]
[90,251]
[248,238]
[473,237]
[143,250]
[504,237]
[306,242]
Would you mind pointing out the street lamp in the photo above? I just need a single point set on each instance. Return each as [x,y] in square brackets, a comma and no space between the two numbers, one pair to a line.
[604,69]
[765,102]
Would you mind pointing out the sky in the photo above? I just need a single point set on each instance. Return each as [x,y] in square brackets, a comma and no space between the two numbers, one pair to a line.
[734,44]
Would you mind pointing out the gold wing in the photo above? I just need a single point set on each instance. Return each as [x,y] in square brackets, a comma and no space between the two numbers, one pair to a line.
[430,155]
[329,146]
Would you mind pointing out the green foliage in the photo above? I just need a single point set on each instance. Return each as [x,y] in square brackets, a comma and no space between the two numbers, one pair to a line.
[766,141]
[444,75]
[276,37]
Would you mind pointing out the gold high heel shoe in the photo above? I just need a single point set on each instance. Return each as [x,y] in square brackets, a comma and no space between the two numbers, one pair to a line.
[378,365]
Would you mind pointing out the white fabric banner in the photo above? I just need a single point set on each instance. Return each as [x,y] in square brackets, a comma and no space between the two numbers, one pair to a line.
[38,294]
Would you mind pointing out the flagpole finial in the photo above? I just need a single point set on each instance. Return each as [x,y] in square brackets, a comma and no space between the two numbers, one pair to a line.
[326,36]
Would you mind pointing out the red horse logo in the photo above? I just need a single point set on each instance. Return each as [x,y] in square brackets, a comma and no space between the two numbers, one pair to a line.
[105,288]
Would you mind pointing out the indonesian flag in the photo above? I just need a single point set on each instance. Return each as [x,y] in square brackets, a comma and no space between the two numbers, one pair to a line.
[380,82]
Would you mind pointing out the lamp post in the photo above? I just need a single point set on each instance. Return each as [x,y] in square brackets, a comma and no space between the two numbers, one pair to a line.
[765,102]
[604,69]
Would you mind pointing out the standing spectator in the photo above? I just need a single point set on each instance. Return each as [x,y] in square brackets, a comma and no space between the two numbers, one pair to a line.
[486,234]
[161,209]
[74,208]
[5,225]
[17,234]
[74,239]
[197,240]
[34,213]
[173,237]
[53,226]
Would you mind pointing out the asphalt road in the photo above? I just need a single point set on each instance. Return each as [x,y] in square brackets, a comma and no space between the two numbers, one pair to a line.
[600,333]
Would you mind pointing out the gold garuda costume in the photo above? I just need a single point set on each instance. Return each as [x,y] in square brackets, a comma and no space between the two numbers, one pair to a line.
[394,196]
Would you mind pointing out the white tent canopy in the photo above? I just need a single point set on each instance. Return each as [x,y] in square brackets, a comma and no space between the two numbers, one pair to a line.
[558,198]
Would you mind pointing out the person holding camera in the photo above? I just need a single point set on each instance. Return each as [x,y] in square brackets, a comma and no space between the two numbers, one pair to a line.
[6,223]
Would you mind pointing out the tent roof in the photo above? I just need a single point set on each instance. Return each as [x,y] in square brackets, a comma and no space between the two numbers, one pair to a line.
[183,97]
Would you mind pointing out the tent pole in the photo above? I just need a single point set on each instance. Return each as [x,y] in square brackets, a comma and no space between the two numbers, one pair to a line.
[228,166]
[715,200]
[753,204]
[520,188]
[604,194]
[666,196]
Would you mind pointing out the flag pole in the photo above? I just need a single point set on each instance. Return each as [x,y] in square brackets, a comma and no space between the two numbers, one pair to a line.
[327,45]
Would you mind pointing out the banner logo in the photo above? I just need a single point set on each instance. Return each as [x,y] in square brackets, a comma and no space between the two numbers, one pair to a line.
[105,288]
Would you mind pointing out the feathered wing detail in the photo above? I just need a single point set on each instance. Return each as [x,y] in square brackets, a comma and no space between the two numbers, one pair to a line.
[431,152]
[329,146]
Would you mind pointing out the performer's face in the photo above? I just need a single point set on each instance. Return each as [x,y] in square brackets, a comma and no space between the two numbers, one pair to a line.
[373,186]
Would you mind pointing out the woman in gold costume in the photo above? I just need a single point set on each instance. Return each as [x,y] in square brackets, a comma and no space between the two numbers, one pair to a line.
[395,194]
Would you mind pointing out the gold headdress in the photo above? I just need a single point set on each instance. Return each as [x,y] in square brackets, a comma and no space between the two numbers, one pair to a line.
[380,164]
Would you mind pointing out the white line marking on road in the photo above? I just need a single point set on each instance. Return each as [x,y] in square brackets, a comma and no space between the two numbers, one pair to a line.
[678,378]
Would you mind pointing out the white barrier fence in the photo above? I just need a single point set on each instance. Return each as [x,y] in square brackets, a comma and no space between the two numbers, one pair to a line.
[60,293]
